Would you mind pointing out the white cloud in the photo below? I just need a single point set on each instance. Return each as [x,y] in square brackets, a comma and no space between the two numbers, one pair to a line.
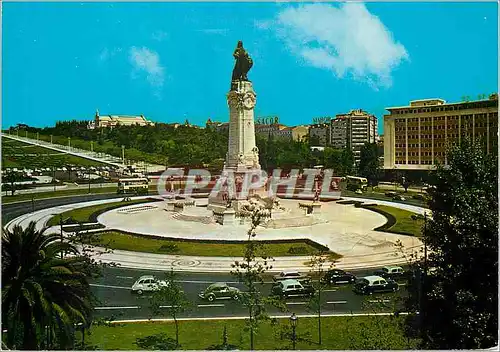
[346,39]
[144,59]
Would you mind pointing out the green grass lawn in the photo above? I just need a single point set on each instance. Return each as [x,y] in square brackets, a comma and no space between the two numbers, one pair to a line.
[339,333]
[119,240]
[20,155]
[404,222]
[95,189]
[41,195]
[82,215]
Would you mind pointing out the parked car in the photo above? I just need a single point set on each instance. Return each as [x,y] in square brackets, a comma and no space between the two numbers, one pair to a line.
[147,283]
[336,276]
[284,275]
[374,284]
[220,290]
[391,194]
[399,197]
[390,272]
[292,288]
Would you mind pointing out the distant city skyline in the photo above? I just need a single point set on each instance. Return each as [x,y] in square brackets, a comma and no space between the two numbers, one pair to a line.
[172,61]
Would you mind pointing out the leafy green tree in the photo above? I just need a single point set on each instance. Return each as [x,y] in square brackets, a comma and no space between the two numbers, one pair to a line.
[317,269]
[369,163]
[347,163]
[459,298]
[249,272]
[11,178]
[43,296]
[172,299]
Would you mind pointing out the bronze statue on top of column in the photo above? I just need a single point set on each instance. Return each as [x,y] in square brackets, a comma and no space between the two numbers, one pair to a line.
[242,65]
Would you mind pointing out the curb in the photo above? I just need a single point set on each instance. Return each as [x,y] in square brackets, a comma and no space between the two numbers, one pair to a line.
[166,320]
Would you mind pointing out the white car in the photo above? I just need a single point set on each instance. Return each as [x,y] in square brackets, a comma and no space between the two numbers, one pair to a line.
[147,283]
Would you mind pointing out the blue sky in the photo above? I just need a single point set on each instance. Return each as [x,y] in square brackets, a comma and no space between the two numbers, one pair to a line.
[170,61]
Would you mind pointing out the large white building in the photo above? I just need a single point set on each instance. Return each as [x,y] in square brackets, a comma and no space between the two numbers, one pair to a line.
[115,120]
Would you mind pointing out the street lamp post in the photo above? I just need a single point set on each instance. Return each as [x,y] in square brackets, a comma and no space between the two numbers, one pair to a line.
[69,143]
[123,154]
[60,224]
[89,178]
[293,322]
[51,139]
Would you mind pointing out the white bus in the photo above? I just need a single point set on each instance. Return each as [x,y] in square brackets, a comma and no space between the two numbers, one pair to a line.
[137,185]
[355,183]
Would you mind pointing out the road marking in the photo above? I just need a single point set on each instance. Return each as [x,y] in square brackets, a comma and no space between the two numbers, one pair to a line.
[379,301]
[111,286]
[333,290]
[124,277]
[210,305]
[336,302]
[296,303]
[204,282]
[108,308]
[246,317]
[167,306]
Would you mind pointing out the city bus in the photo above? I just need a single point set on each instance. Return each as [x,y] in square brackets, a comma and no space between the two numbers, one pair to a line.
[355,183]
[137,185]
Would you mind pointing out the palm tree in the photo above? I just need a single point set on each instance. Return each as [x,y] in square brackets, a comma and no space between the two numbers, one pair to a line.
[43,295]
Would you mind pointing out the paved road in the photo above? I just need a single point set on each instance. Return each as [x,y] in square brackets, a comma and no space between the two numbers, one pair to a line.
[117,302]
[13,210]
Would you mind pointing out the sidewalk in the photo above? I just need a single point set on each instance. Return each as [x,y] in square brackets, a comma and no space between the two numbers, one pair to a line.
[150,261]
[163,262]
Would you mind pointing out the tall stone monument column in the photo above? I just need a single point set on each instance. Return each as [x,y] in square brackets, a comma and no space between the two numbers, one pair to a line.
[242,158]
[243,154]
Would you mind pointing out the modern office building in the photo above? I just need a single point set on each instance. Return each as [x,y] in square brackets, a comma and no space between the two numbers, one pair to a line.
[416,136]
[353,130]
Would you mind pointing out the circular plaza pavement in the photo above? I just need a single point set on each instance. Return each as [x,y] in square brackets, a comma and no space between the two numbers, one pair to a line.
[345,229]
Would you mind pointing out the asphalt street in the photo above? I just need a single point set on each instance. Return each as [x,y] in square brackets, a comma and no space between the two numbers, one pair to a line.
[117,302]
[13,210]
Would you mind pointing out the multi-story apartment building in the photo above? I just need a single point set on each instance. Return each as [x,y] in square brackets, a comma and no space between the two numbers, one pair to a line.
[353,130]
[321,133]
[417,136]
[115,120]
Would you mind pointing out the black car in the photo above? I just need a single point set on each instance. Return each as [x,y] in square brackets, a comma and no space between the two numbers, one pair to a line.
[374,284]
[336,276]
[292,288]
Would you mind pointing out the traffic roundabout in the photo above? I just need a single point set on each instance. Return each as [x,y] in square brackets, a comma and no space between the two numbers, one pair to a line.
[346,230]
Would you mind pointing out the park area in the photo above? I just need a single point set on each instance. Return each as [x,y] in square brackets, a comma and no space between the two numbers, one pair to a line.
[16,154]
[339,333]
